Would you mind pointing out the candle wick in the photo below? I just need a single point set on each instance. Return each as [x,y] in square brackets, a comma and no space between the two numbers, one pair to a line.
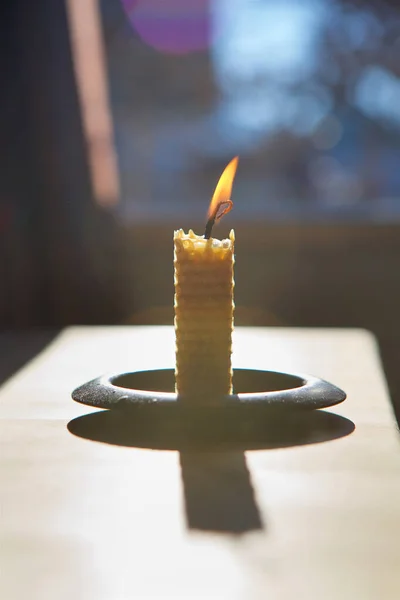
[209,226]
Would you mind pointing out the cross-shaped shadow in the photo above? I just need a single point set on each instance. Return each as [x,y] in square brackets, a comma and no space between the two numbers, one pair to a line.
[218,491]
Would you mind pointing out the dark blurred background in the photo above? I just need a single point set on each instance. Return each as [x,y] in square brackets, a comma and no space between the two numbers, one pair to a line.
[118,116]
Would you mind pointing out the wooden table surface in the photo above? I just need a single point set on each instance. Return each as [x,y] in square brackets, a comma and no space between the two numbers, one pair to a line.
[88,520]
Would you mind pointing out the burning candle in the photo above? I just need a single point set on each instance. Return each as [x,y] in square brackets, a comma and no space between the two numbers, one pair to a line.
[204,283]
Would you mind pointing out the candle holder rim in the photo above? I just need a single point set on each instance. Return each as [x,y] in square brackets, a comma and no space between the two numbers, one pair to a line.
[312,392]
[109,378]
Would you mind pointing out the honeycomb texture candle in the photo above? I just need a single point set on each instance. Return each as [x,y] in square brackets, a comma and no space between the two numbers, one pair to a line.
[203,316]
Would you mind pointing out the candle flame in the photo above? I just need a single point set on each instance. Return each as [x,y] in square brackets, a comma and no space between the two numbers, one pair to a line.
[221,202]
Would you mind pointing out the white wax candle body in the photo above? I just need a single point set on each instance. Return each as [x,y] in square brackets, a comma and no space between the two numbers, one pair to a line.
[203,316]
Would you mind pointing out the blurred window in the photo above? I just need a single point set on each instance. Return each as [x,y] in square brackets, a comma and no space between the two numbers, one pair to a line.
[307,92]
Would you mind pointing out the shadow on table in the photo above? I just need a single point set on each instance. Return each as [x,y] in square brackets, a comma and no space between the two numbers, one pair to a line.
[390,353]
[19,347]
[155,429]
[219,494]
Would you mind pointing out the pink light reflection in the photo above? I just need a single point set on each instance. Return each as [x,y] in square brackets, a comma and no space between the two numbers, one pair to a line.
[171,26]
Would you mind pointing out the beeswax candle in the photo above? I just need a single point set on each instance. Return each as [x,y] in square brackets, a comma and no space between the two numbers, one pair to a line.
[204,283]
